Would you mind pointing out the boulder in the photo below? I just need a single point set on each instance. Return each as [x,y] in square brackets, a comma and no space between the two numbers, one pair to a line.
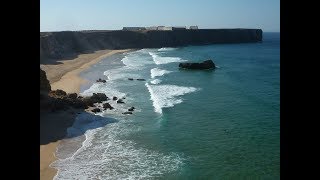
[95,110]
[75,103]
[95,98]
[107,106]
[57,93]
[72,95]
[114,98]
[88,101]
[131,109]
[208,64]
[127,113]
[79,104]
[101,80]
[99,97]
[120,101]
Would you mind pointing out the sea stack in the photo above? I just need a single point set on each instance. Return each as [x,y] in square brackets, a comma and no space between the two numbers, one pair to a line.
[208,64]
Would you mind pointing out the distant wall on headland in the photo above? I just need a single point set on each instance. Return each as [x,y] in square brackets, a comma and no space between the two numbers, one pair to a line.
[56,45]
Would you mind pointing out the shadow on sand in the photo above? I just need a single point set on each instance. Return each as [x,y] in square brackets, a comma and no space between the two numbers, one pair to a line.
[54,126]
[55,61]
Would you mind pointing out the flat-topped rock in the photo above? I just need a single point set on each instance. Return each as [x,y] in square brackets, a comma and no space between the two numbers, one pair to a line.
[208,64]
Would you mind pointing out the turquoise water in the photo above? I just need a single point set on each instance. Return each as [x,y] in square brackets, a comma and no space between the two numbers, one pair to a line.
[188,124]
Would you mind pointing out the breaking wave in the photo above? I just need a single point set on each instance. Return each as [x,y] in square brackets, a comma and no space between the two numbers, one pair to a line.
[158,72]
[164,60]
[167,49]
[164,96]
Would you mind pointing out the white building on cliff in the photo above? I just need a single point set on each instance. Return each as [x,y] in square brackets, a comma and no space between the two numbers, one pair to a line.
[193,27]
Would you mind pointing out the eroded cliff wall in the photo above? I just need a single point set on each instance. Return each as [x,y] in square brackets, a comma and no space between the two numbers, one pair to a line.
[56,45]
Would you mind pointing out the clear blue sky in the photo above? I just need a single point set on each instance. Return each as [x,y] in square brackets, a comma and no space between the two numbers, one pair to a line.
[59,15]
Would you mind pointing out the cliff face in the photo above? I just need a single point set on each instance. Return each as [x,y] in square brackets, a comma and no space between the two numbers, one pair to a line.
[44,83]
[60,44]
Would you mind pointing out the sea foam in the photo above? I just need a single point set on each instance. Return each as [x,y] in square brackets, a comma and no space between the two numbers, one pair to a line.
[164,96]
[109,90]
[122,73]
[104,155]
[155,81]
[164,60]
[158,72]
[136,60]
[166,49]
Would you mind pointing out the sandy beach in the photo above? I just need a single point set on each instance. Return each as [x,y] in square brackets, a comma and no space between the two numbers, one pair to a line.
[46,158]
[63,75]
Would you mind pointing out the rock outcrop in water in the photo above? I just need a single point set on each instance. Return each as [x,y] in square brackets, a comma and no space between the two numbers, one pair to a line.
[107,106]
[208,64]
[58,45]
[120,101]
[57,100]
[101,80]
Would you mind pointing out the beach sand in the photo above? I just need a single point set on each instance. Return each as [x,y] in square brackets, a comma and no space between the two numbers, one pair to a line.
[46,158]
[63,75]
[53,126]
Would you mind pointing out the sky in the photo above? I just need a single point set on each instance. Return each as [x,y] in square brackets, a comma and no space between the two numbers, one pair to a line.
[63,15]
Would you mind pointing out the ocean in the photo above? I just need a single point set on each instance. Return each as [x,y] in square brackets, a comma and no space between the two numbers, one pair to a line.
[188,124]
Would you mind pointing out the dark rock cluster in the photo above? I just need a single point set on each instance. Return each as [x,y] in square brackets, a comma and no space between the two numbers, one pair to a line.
[56,100]
[139,79]
[101,80]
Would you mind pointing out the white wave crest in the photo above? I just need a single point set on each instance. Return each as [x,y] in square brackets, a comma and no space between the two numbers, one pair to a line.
[135,61]
[101,88]
[164,60]
[155,81]
[164,96]
[158,72]
[121,73]
[166,49]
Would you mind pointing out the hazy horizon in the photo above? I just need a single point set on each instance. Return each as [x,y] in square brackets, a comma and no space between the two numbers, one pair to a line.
[74,15]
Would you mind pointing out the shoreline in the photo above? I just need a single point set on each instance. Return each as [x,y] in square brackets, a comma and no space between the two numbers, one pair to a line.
[64,76]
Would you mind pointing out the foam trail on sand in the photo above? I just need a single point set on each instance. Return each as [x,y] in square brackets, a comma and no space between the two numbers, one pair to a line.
[104,155]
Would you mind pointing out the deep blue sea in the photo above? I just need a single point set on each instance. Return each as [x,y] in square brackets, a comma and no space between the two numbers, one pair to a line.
[188,124]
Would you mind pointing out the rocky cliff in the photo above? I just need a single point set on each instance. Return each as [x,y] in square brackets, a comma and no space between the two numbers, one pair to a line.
[44,83]
[56,45]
